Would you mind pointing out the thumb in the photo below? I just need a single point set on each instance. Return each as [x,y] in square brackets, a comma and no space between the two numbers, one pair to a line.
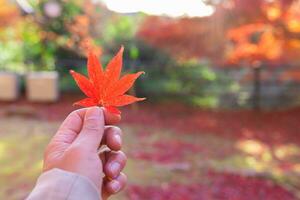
[92,130]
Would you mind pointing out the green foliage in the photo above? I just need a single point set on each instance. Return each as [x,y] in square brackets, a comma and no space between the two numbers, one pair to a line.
[67,82]
[26,47]
[119,29]
[11,56]
[23,49]
[193,83]
[38,54]
[69,9]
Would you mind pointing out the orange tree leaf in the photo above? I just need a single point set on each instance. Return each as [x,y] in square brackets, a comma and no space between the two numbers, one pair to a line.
[94,68]
[123,100]
[84,84]
[95,73]
[88,102]
[113,110]
[104,87]
[124,84]
[114,68]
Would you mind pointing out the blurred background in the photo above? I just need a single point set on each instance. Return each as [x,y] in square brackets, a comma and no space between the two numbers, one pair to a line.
[222,82]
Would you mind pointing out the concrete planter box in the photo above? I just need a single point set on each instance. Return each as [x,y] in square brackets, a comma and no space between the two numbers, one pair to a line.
[9,86]
[42,86]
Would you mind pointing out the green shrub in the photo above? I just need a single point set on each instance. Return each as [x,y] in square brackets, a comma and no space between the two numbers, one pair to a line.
[11,56]
[191,82]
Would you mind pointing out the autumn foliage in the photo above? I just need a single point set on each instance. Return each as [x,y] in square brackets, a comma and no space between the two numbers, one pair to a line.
[251,43]
[73,29]
[183,38]
[275,39]
[105,88]
[9,12]
[239,31]
[81,28]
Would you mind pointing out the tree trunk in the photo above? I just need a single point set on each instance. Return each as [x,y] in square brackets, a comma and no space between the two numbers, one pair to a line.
[257,88]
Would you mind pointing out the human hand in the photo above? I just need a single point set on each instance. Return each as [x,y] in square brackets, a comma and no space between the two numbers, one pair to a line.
[74,148]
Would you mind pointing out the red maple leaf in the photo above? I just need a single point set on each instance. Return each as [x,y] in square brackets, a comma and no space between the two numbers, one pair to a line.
[105,87]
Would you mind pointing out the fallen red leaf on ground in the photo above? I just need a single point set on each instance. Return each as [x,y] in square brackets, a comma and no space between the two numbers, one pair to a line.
[220,187]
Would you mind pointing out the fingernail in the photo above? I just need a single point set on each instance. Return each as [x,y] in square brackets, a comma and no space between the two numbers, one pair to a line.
[115,168]
[117,138]
[115,186]
[93,113]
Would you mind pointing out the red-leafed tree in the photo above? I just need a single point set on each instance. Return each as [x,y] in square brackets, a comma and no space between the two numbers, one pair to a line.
[183,38]
[275,39]
[250,27]
[252,43]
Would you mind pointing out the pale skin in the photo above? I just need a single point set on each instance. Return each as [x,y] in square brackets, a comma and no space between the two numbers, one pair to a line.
[75,146]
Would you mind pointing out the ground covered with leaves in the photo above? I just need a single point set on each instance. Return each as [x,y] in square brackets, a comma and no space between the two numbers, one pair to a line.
[174,152]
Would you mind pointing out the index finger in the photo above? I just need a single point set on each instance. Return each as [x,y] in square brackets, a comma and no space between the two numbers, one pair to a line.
[110,118]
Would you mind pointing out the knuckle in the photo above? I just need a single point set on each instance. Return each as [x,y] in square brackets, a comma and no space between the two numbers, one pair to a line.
[124,179]
[122,156]
[114,128]
[117,130]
